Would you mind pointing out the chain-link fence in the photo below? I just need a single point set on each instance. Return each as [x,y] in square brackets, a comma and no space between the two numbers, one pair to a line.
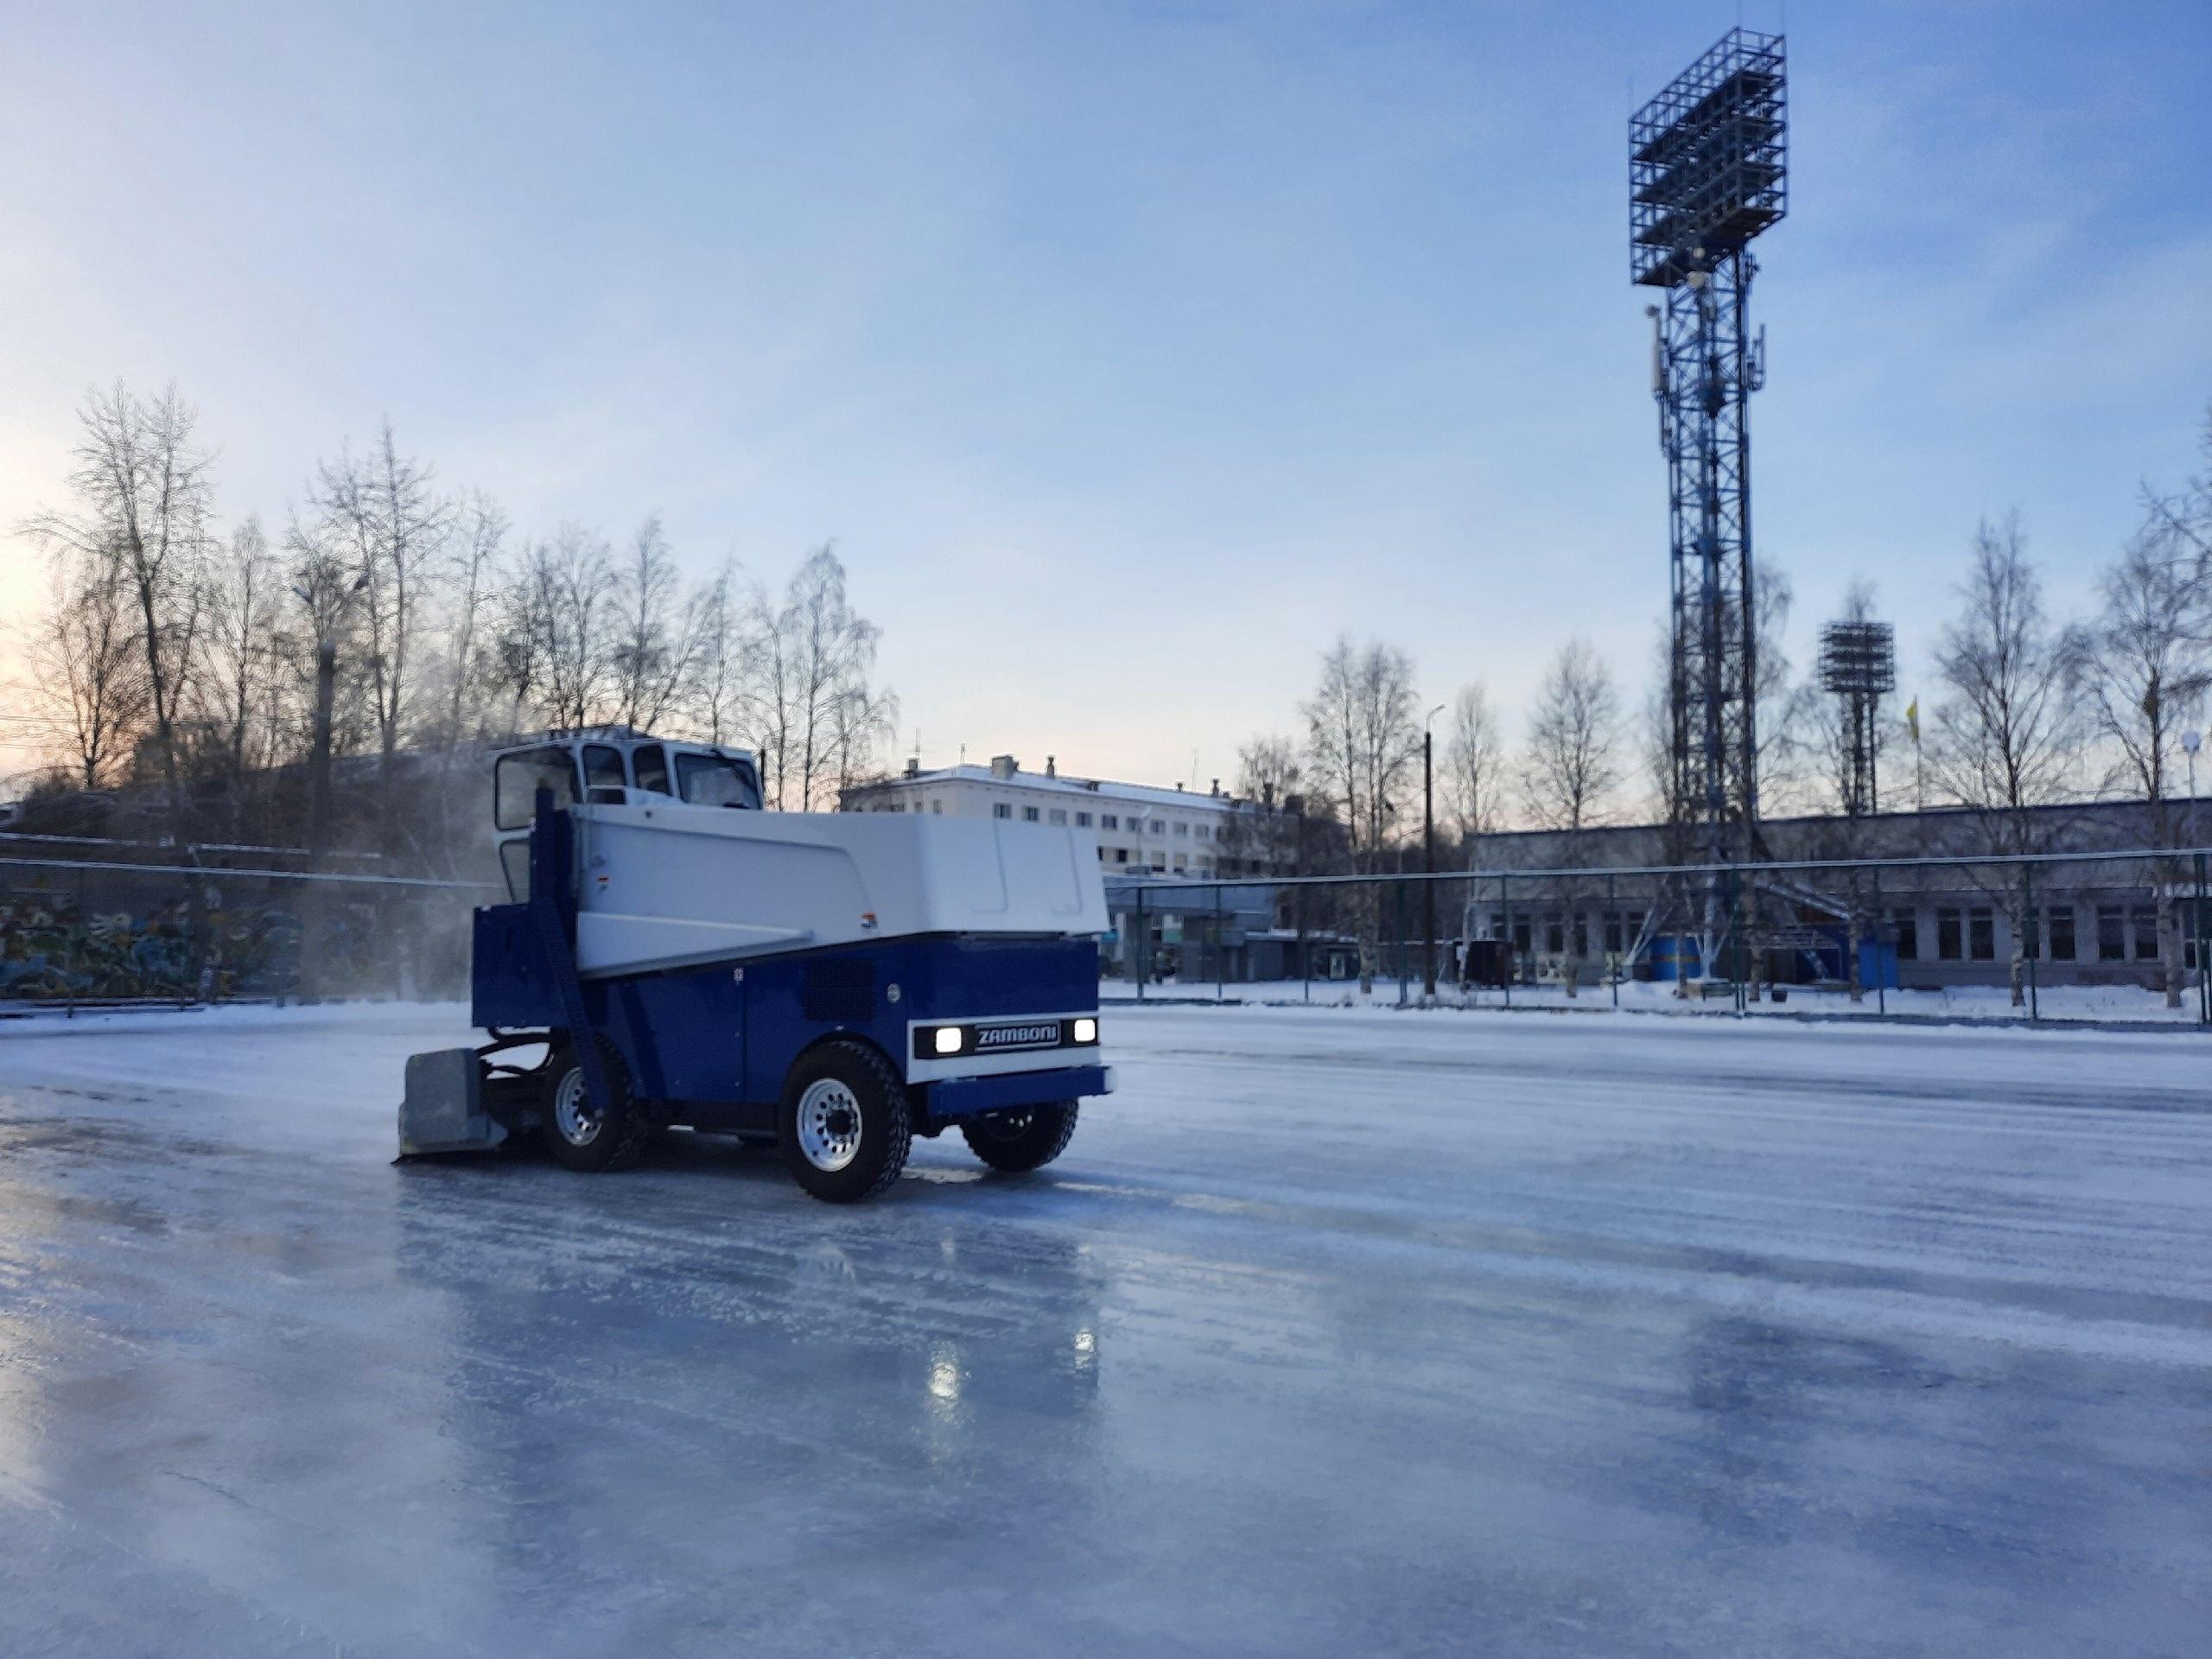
[2105,937]
[2114,937]
[89,934]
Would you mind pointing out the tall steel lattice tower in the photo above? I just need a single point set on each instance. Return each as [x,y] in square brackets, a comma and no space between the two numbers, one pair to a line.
[1706,175]
[1859,666]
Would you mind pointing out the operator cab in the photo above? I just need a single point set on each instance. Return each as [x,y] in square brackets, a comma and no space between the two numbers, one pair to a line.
[607,766]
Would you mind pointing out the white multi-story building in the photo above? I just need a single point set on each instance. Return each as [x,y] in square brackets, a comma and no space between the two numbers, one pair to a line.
[1168,831]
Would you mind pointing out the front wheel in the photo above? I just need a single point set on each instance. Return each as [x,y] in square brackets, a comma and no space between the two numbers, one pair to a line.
[578,1134]
[1028,1138]
[845,1126]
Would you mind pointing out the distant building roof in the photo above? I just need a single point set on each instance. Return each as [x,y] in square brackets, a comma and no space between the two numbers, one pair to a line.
[1014,777]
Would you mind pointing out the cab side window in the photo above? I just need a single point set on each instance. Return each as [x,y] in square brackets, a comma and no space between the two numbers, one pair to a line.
[603,767]
[652,763]
[517,778]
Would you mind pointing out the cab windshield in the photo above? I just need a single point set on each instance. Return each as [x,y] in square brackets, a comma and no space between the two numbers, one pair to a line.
[716,780]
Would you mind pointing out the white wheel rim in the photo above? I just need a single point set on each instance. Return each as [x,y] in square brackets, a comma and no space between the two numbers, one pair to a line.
[572,1113]
[828,1125]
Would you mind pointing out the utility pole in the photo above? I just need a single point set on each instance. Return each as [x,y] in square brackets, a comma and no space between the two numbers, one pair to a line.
[1428,854]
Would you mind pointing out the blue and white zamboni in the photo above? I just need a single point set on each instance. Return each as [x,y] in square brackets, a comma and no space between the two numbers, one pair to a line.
[838,983]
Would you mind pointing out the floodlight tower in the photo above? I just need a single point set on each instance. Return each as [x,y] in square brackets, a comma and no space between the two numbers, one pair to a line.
[1705,175]
[1859,664]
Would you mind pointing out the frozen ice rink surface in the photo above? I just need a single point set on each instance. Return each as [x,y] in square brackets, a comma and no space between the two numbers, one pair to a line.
[1339,1333]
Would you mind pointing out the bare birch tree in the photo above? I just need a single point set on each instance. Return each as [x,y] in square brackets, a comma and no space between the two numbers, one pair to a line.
[382,510]
[656,632]
[1362,747]
[816,715]
[1474,766]
[88,679]
[557,650]
[239,689]
[2008,735]
[2146,667]
[145,498]
[1569,771]
[718,698]
[480,533]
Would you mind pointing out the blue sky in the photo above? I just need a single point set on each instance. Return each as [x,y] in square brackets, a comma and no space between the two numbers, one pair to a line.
[1128,351]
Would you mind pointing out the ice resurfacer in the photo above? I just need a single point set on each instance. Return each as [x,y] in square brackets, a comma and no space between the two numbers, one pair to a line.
[838,983]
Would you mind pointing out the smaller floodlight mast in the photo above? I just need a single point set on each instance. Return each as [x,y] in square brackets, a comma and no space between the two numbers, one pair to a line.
[1858,665]
[1706,176]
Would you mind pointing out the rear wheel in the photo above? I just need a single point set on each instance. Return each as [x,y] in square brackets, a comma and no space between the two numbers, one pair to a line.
[1026,1139]
[845,1127]
[580,1136]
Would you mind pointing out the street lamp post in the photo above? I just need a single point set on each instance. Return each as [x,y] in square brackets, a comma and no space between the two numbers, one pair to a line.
[2190,742]
[1428,856]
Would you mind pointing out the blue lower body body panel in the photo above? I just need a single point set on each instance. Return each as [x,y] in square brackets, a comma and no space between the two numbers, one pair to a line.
[958,1097]
[718,1038]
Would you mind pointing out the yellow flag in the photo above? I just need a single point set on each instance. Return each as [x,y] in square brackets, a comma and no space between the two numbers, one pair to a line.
[1912,720]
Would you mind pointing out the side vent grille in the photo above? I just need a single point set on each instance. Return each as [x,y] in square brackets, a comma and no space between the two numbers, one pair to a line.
[840,988]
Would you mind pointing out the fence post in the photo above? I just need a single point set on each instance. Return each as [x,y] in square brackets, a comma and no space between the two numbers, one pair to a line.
[2204,980]
[1506,953]
[1141,947]
[1613,930]
[1736,919]
[2033,942]
[1400,888]
[1305,950]
[1881,928]
[1220,951]
[78,936]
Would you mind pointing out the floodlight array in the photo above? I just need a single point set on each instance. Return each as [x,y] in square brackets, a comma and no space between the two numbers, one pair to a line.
[1708,166]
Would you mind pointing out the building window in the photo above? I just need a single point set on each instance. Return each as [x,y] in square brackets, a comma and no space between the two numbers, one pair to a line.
[1906,924]
[2112,944]
[1182,828]
[1202,833]
[1981,932]
[1001,810]
[1121,855]
[937,807]
[1059,815]
[1158,826]
[1029,815]
[2061,933]
[2146,933]
[1555,935]
[1950,944]
[1083,820]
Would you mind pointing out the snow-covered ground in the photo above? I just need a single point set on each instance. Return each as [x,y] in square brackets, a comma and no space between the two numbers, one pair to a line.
[2058,1004]
[1340,1332]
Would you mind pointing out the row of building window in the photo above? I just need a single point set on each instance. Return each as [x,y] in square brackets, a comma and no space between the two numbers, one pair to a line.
[1968,933]
[1963,933]
[1106,820]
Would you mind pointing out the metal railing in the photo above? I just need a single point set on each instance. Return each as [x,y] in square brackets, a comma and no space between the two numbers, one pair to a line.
[2067,936]
[79,934]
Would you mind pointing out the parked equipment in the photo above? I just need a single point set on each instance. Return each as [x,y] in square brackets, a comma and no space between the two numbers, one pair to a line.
[838,983]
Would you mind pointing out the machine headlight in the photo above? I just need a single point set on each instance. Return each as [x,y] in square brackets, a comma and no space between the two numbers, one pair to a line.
[948,1039]
[1086,1030]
